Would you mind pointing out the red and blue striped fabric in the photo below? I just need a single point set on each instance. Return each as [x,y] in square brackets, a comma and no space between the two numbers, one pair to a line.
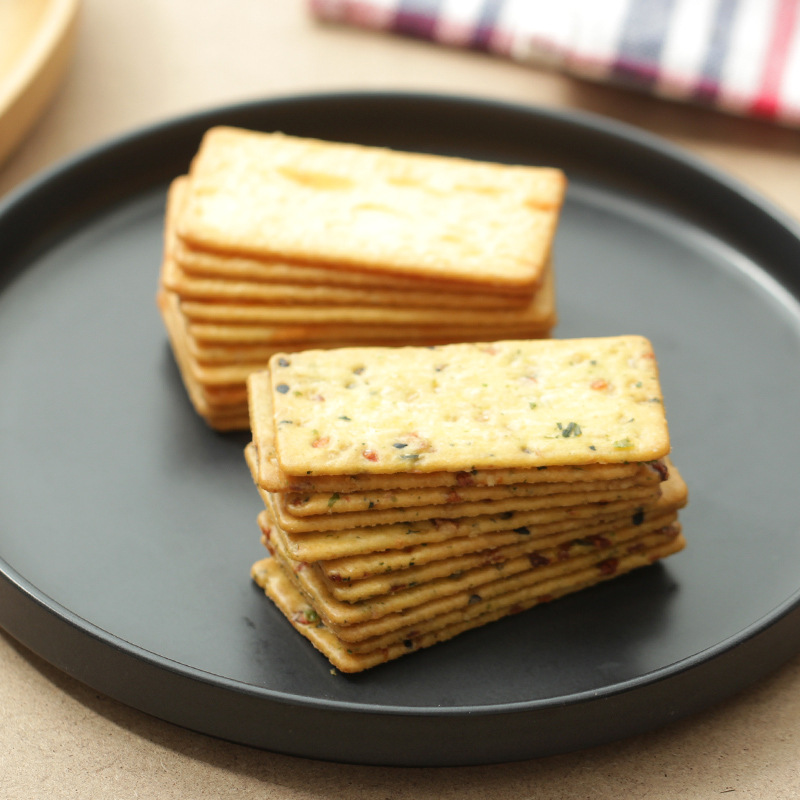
[740,56]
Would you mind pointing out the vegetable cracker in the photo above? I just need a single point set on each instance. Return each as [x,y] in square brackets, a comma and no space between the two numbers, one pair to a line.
[522,404]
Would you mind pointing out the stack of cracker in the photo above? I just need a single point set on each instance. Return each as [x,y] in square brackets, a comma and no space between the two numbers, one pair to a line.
[414,493]
[278,243]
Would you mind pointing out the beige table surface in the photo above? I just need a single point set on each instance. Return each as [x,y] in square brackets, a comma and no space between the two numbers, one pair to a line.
[144,61]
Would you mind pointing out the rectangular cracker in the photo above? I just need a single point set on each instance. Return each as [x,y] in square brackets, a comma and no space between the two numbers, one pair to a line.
[460,407]
[348,522]
[328,545]
[277,586]
[208,264]
[227,286]
[213,334]
[349,569]
[268,475]
[227,290]
[537,313]
[274,196]
[509,559]
[386,594]
[298,504]
[359,622]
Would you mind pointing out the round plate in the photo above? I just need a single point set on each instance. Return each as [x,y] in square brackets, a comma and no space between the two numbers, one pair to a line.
[127,527]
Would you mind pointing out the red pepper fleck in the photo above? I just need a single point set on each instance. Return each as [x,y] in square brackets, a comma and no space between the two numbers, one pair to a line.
[598,384]
[538,560]
[321,441]
[464,479]
[453,497]
[563,551]
[516,609]
[609,566]
[370,455]
[544,598]
[599,541]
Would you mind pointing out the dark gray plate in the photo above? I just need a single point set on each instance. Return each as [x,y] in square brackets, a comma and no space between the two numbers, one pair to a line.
[127,528]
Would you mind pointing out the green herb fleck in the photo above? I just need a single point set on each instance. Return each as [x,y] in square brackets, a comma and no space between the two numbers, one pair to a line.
[623,444]
[570,429]
[333,498]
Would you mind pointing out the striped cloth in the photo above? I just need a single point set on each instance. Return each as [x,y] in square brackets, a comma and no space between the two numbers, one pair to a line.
[739,56]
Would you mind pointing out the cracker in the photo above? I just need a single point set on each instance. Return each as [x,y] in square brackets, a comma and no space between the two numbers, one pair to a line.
[522,404]
[328,545]
[277,586]
[264,335]
[236,290]
[368,208]
[298,504]
[534,581]
[390,593]
[509,559]
[638,553]
[209,264]
[268,475]
[348,522]
[342,571]
[538,313]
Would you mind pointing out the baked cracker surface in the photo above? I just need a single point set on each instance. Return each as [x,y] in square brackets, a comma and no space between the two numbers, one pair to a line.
[468,406]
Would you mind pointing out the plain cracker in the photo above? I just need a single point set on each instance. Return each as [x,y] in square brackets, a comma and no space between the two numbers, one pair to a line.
[370,208]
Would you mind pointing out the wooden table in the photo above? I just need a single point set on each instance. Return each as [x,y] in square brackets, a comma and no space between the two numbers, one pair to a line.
[143,62]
